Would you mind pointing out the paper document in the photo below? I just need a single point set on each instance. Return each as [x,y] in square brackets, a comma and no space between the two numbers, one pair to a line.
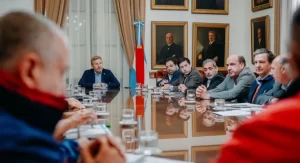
[134,158]
[233,113]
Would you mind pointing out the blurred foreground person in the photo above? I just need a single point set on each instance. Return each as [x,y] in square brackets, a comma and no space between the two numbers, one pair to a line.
[272,135]
[33,58]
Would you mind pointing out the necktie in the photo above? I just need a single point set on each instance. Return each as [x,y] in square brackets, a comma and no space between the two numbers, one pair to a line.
[253,97]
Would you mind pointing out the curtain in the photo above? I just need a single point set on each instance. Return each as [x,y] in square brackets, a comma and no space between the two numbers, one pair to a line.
[55,10]
[127,11]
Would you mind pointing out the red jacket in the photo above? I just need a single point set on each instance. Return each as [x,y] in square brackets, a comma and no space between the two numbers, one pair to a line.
[271,136]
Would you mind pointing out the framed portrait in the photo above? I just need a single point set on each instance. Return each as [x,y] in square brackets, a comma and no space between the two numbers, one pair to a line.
[203,154]
[166,120]
[208,124]
[260,34]
[169,39]
[210,41]
[258,5]
[169,4]
[210,7]
[181,155]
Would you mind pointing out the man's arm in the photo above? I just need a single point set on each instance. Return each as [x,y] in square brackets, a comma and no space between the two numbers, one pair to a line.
[84,80]
[113,81]
[244,83]
[216,82]
[266,97]
[220,87]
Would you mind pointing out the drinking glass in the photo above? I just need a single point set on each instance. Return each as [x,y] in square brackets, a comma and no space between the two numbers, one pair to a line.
[128,115]
[220,103]
[148,143]
[87,101]
[101,108]
[191,95]
[128,138]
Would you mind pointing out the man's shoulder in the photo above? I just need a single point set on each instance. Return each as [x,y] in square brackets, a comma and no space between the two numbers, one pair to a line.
[106,70]
[88,71]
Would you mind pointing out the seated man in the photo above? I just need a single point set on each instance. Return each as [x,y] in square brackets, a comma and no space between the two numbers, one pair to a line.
[189,77]
[264,82]
[98,75]
[236,85]
[212,77]
[173,73]
[33,57]
[282,79]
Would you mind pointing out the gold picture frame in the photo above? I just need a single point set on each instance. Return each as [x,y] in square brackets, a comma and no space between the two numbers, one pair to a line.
[213,9]
[203,149]
[182,155]
[179,31]
[277,17]
[200,39]
[261,27]
[258,5]
[158,113]
[155,6]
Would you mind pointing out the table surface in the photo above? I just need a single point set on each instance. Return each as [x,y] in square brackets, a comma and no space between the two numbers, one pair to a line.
[189,132]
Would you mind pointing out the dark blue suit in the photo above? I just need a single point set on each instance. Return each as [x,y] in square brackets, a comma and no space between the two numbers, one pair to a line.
[88,79]
[266,85]
[171,81]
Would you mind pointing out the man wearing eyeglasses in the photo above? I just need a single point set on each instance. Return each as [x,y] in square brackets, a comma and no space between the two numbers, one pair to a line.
[264,82]
[282,79]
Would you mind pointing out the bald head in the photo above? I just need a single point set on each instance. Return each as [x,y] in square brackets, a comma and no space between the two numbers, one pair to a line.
[235,65]
[278,70]
[34,50]
[169,38]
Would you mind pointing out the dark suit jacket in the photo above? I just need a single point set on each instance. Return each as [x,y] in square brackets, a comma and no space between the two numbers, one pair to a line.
[169,2]
[215,81]
[192,81]
[261,45]
[88,79]
[172,80]
[266,85]
[292,89]
[275,92]
[166,52]
[212,51]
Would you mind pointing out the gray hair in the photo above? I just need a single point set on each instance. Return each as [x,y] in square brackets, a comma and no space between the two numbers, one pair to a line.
[22,31]
[283,59]
[270,55]
[209,61]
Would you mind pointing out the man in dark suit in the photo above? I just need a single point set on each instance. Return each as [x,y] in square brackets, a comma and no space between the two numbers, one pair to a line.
[189,78]
[169,2]
[259,42]
[212,77]
[206,4]
[169,50]
[213,50]
[173,73]
[98,75]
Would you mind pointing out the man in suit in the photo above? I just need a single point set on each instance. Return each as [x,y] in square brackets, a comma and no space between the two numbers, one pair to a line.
[264,82]
[189,77]
[260,42]
[173,73]
[99,76]
[169,50]
[236,85]
[213,50]
[212,77]
[282,79]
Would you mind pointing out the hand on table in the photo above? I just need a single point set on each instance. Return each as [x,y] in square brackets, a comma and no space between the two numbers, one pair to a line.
[163,82]
[166,86]
[74,104]
[182,87]
[201,92]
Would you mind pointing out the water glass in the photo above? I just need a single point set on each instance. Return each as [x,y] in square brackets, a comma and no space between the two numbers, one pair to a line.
[96,86]
[220,103]
[138,86]
[82,91]
[191,95]
[148,142]
[100,107]
[128,138]
[87,101]
[128,115]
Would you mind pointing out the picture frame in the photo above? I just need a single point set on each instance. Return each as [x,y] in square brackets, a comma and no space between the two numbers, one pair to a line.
[205,153]
[170,127]
[182,155]
[260,34]
[205,47]
[169,4]
[160,49]
[210,7]
[258,5]
[202,126]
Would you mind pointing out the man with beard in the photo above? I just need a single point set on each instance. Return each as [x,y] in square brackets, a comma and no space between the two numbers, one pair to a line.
[173,73]
[212,77]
